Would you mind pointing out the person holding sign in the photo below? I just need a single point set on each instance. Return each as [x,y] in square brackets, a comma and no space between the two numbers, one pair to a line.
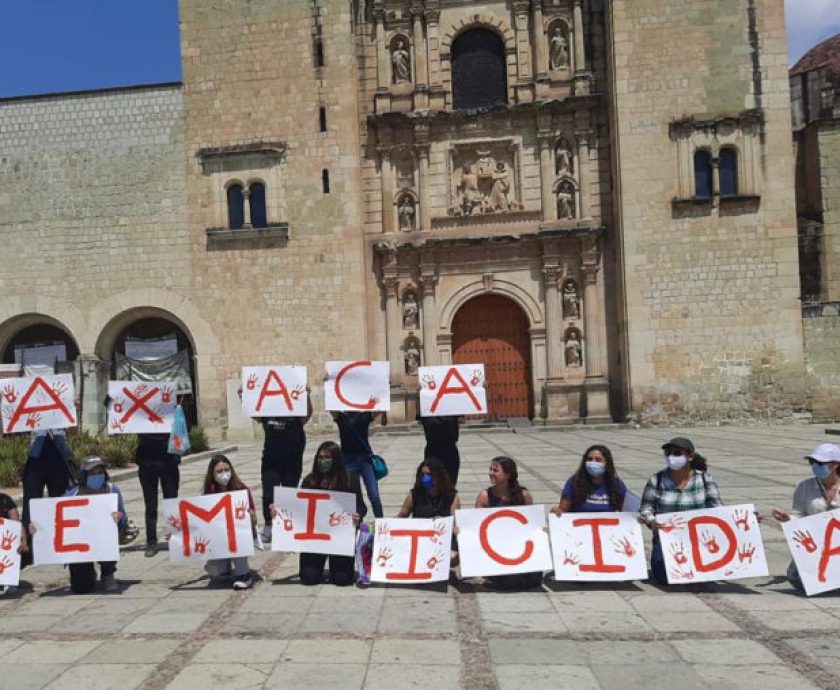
[155,465]
[93,480]
[814,495]
[353,431]
[442,442]
[684,484]
[330,474]
[221,477]
[9,511]
[505,490]
[595,487]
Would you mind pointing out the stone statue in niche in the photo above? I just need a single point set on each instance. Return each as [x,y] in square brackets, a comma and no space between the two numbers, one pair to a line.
[406,213]
[469,196]
[484,182]
[574,352]
[563,159]
[411,311]
[400,63]
[566,207]
[501,188]
[571,301]
[558,50]
[412,355]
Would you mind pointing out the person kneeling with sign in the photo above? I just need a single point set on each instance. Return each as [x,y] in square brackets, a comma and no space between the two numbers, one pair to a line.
[94,480]
[595,487]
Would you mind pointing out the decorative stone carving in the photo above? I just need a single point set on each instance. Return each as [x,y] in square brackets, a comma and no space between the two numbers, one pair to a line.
[558,49]
[566,206]
[411,311]
[400,62]
[574,350]
[484,181]
[411,348]
[563,161]
[500,189]
[571,301]
[406,212]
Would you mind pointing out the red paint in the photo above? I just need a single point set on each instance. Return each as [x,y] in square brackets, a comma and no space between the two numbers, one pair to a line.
[225,503]
[490,551]
[23,409]
[370,404]
[694,539]
[595,524]
[266,392]
[311,510]
[139,403]
[828,551]
[415,535]
[62,523]
[446,389]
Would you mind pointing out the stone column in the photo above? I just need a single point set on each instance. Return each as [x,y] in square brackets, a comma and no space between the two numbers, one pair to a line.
[387,176]
[383,59]
[428,281]
[421,148]
[421,73]
[246,207]
[524,86]
[580,55]
[584,210]
[540,47]
[94,375]
[392,325]
[592,339]
[553,323]
[548,202]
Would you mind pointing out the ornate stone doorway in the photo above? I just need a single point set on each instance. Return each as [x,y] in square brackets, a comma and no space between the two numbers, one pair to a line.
[493,330]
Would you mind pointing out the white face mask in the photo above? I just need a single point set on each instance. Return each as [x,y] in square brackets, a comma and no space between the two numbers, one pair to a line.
[676,462]
[223,478]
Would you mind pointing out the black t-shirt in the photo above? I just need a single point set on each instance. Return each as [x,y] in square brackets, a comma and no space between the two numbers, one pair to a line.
[353,431]
[154,448]
[440,431]
[7,505]
[283,436]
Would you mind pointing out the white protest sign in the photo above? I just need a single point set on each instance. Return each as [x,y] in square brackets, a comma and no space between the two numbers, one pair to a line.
[810,542]
[275,391]
[361,385]
[597,547]
[75,529]
[452,390]
[206,527]
[411,550]
[502,541]
[139,407]
[314,521]
[38,402]
[10,536]
[712,544]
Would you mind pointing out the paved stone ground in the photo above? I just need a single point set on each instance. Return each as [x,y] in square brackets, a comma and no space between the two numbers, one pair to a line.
[167,629]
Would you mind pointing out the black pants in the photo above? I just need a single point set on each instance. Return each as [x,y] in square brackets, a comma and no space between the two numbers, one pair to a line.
[83,575]
[518,581]
[287,475]
[150,473]
[312,569]
[40,474]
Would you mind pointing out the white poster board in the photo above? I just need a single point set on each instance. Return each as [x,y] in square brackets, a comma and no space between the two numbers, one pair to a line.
[75,529]
[452,390]
[10,537]
[360,385]
[502,541]
[314,521]
[138,407]
[38,402]
[206,527]
[411,550]
[712,544]
[814,545]
[274,391]
[597,547]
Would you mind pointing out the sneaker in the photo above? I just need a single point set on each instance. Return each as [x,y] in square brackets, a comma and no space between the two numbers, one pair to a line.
[109,583]
[266,534]
[243,582]
[4,589]
[151,550]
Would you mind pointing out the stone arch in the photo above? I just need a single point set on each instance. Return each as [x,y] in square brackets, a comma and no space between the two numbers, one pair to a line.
[15,325]
[507,289]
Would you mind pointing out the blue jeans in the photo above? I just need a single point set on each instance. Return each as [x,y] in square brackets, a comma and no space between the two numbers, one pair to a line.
[362,466]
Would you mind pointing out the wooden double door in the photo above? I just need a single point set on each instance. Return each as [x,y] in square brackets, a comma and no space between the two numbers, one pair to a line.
[493,330]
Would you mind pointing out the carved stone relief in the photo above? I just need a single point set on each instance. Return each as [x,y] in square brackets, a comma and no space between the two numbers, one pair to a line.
[484,180]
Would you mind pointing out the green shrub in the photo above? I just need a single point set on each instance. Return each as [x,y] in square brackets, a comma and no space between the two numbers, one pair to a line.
[198,439]
[118,451]
[12,458]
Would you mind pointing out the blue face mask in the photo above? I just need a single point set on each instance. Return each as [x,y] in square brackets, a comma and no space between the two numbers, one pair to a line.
[820,471]
[595,469]
[427,481]
[95,481]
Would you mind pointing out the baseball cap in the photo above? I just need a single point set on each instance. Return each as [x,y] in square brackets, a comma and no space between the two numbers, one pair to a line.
[825,452]
[679,442]
[92,462]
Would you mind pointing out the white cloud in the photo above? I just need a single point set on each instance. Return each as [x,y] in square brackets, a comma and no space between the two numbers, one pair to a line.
[809,22]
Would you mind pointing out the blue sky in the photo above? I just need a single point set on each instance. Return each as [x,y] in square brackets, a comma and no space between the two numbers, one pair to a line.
[68,45]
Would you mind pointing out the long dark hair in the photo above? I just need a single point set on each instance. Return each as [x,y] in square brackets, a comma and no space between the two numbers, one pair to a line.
[584,484]
[210,486]
[443,482]
[508,465]
[337,479]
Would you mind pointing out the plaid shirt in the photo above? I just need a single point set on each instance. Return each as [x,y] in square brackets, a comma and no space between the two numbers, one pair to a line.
[661,495]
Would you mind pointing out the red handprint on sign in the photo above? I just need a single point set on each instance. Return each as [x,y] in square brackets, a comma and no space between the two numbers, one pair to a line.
[439,529]
[241,510]
[384,529]
[676,522]
[678,552]
[428,381]
[746,553]
[118,405]
[10,394]
[174,523]
[201,545]
[624,547]
[337,518]
[804,539]
[166,394]
[297,392]
[5,562]
[682,574]
[251,383]
[33,420]
[741,519]
[477,378]
[710,542]
[570,558]
[142,388]
[435,560]
[286,517]
[8,541]
[59,388]
[384,556]
[177,442]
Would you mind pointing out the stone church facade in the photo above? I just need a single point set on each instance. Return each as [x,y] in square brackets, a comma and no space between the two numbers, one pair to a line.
[592,197]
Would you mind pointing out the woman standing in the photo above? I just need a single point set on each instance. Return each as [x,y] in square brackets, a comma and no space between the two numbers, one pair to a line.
[442,442]
[595,487]
[353,428]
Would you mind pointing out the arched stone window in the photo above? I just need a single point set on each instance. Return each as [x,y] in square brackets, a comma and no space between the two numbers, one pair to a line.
[479,70]
[702,174]
[236,206]
[728,170]
[256,198]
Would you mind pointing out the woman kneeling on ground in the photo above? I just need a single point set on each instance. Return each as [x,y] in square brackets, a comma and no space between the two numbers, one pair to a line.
[595,487]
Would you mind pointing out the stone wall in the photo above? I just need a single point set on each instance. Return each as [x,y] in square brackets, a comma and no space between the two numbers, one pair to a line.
[829,171]
[821,326]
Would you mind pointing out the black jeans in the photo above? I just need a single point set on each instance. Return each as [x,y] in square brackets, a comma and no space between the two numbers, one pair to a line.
[287,475]
[40,474]
[342,569]
[83,575]
[150,473]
